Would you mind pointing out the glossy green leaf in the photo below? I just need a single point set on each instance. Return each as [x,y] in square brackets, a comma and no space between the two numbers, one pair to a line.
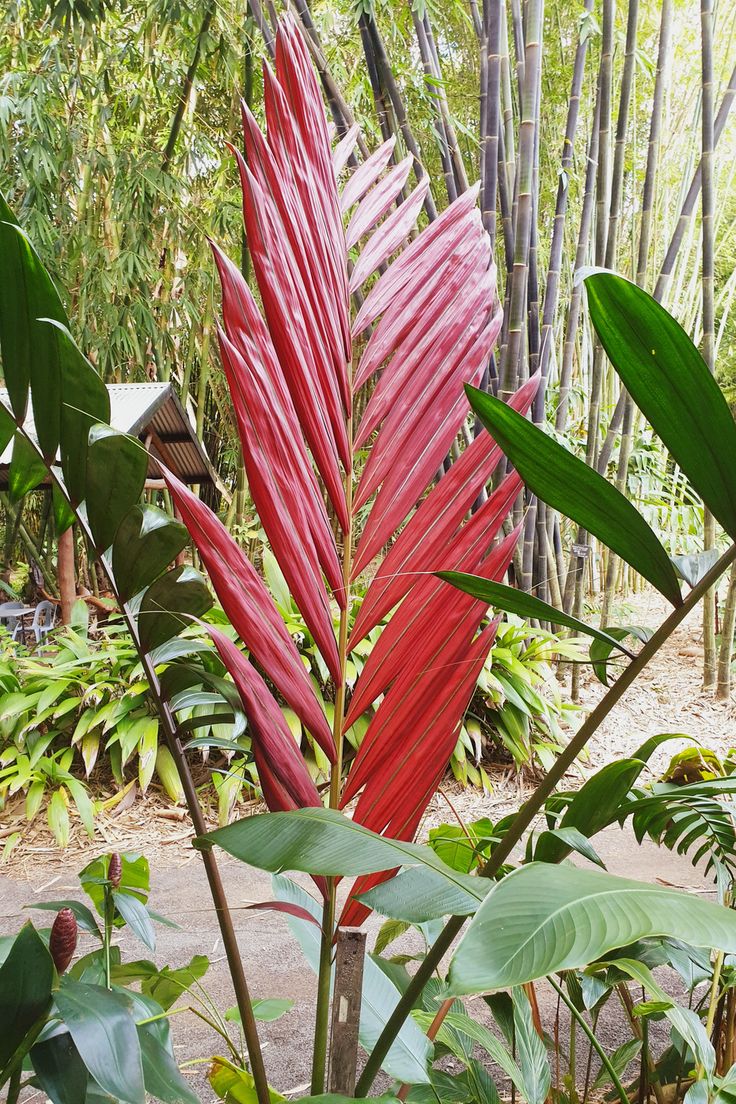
[27,347]
[64,516]
[85,919]
[104,1033]
[85,402]
[594,806]
[235,1085]
[134,879]
[543,918]
[572,840]
[510,600]
[146,543]
[116,471]
[324,841]
[670,383]
[27,469]
[26,978]
[7,427]
[167,985]
[266,1010]
[135,915]
[161,1074]
[600,651]
[169,605]
[60,1071]
[569,485]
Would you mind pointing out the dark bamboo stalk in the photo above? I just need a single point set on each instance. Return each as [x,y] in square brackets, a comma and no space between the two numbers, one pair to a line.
[581,253]
[440,109]
[491,115]
[622,125]
[458,165]
[389,83]
[186,89]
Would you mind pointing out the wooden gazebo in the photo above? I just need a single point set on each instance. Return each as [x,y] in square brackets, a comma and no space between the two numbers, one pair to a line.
[154,414]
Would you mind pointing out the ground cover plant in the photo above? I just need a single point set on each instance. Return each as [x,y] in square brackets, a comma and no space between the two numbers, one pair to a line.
[296,382]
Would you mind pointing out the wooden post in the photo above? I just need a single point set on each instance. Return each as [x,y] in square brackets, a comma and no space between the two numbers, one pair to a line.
[349,958]
[65,572]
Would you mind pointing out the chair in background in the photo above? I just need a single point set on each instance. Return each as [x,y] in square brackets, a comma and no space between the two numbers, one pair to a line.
[11,623]
[44,620]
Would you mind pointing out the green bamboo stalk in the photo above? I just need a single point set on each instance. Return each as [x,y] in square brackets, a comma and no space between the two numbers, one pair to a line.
[647,207]
[509,371]
[708,280]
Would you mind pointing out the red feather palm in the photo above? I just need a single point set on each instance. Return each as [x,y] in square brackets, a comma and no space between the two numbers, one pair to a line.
[294,369]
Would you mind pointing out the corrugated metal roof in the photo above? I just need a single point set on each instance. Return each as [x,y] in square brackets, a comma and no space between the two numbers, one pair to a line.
[153,412]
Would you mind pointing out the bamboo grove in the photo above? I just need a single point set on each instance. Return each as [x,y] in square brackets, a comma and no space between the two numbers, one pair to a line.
[600,133]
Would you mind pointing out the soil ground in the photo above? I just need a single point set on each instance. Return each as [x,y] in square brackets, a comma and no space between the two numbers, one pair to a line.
[667,698]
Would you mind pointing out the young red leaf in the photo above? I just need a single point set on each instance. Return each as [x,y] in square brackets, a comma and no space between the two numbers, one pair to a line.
[377,202]
[251,610]
[366,174]
[392,233]
[427,534]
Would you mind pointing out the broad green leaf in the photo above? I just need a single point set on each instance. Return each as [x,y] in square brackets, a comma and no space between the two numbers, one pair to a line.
[567,484]
[64,516]
[692,568]
[420,894]
[670,383]
[27,347]
[170,603]
[7,429]
[146,543]
[135,915]
[26,978]
[324,841]
[600,651]
[116,471]
[266,1010]
[134,879]
[235,1085]
[84,402]
[167,985]
[571,839]
[85,919]
[336,1098]
[104,1032]
[595,805]
[60,1070]
[543,918]
[27,469]
[530,1051]
[161,1074]
[620,1059]
[510,600]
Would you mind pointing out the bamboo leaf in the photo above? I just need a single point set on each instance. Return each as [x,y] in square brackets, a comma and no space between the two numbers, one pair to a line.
[670,383]
[569,485]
